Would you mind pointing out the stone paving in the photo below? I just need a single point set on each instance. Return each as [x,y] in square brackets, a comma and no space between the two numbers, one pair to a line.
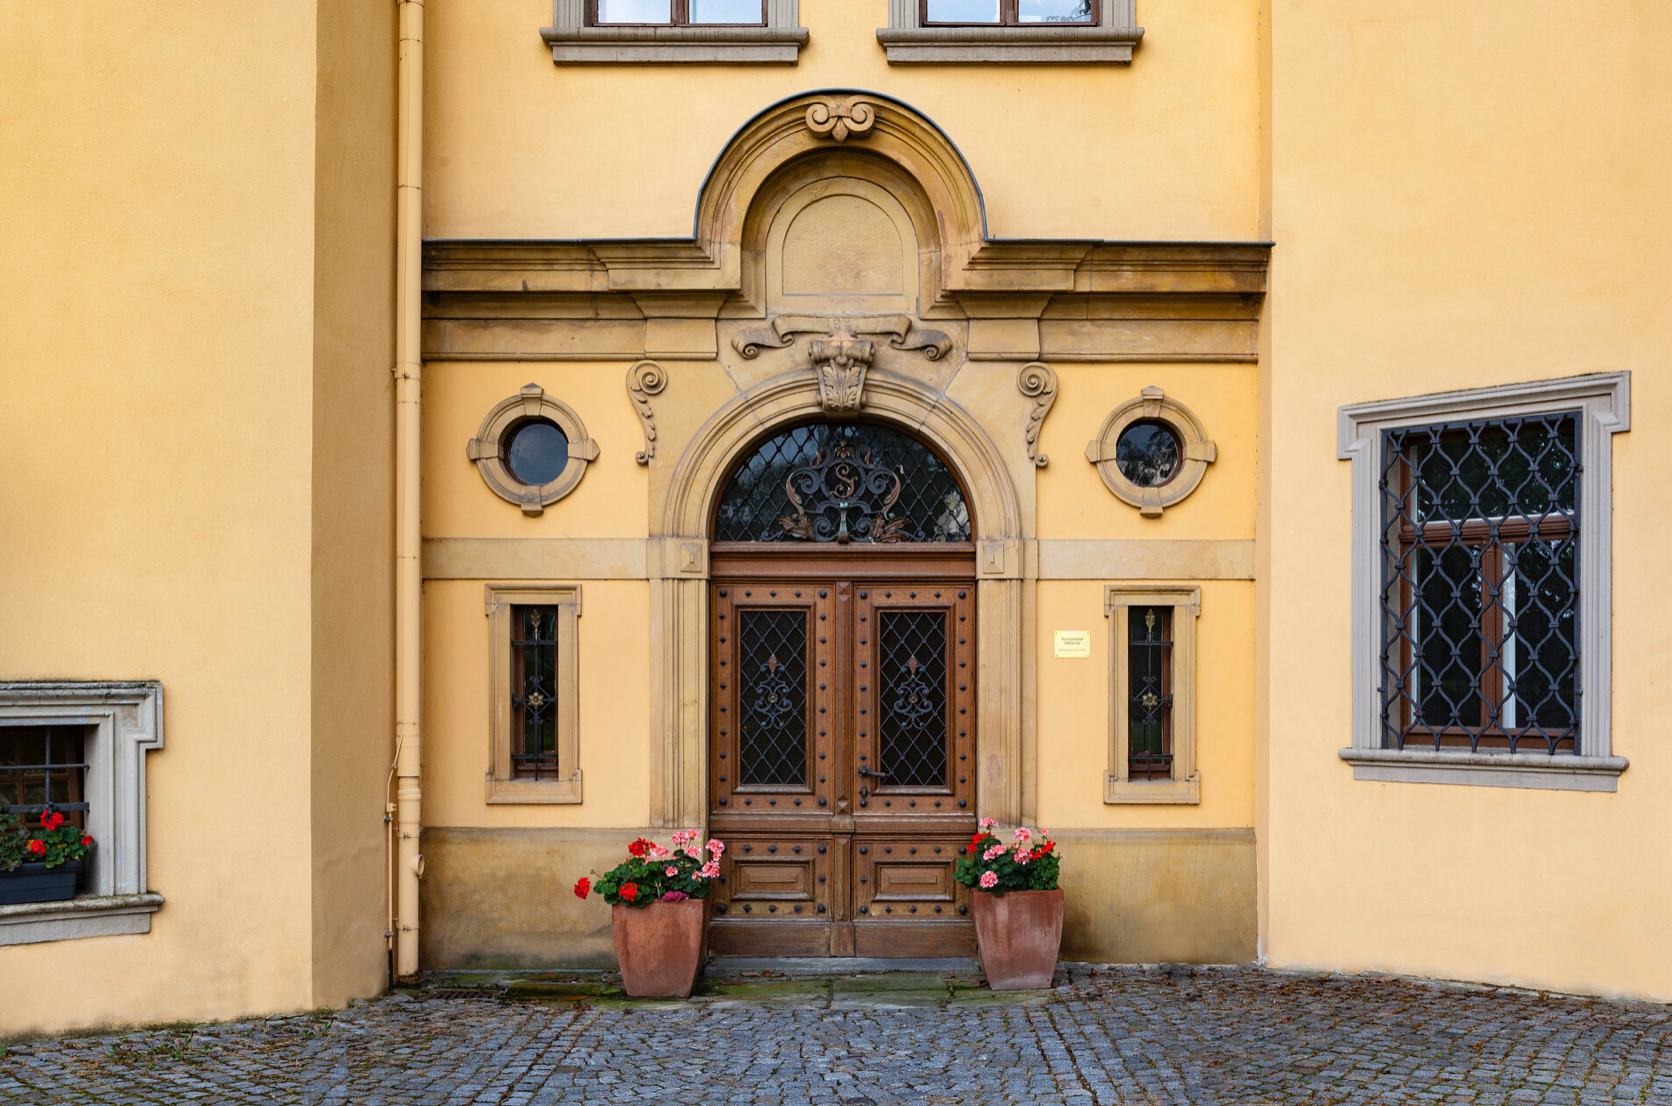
[1103,1036]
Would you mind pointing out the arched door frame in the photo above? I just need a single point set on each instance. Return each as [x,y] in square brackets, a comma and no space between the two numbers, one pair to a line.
[679,583]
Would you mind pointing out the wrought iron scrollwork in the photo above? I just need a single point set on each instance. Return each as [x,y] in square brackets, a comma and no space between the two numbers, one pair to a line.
[844,498]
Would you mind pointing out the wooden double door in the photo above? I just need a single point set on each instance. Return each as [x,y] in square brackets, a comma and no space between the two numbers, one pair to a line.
[843,756]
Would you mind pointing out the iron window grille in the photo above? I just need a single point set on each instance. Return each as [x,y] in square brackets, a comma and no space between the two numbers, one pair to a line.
[1150,693]
[1480,592]
[843,482]
[41,767]
[534,693]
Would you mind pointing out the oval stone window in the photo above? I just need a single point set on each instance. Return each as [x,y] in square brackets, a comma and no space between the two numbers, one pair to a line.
[1148,453]
[536,452]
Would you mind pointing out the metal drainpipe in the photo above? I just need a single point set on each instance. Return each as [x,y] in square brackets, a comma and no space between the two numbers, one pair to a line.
[409,216]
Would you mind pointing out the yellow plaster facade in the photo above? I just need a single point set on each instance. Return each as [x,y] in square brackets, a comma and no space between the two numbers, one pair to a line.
[200,280]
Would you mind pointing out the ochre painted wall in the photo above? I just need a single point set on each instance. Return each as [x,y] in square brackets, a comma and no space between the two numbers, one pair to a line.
[1463,197]
[175,317]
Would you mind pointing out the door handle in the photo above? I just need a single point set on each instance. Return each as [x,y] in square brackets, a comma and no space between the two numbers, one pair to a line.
[865,771]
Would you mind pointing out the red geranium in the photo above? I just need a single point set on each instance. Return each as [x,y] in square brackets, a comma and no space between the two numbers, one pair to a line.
[582,887]
[51,819]
[38,847]
[86,839]
[629,891]
[639,847]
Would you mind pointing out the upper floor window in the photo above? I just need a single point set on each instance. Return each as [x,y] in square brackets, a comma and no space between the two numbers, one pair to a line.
[1008,13]
[1481,584]
[677,13]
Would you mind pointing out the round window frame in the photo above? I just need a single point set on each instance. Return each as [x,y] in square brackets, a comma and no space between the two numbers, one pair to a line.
[1198,451]
[487,449]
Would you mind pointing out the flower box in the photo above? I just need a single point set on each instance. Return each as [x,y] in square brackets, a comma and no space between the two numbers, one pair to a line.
[38,883]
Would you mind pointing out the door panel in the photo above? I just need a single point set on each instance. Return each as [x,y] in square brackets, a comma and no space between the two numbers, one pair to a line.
[842,745]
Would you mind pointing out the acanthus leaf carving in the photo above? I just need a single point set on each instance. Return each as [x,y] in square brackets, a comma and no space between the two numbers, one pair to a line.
[841,119]
[646,379]
[840,360]
[1037,381]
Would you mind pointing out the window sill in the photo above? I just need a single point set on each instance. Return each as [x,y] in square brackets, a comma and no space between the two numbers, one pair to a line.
[1551,773]
[502,792]
[1180,792]
[1010,45]
[683,45]
[91,916]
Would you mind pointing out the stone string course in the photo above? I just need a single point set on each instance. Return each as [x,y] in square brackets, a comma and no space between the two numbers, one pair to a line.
[1104,1036]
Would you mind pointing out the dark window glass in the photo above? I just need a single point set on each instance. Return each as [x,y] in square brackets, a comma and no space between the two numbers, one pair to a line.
[534,692]
[679,13]
[536,452]
[1481,592]
[772,698]
[912,663]
[1008,12]
[1149,690]
[1148,453]
[43,766]
[843,482]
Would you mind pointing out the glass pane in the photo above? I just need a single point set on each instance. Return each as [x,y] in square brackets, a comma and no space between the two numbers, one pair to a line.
[537,453]
[772,698]
[635,11]
[843,482]
[534,690]
[1446,626]
[1149,693]
[1492,470]
[1148,453]
[912,660]
[728,11]
[963,11]
[1055,11]
[1540,654]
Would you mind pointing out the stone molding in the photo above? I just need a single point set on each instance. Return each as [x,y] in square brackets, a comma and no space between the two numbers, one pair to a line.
[1604,404]
[1199,452]
[487,449]
[572,42]
[124,722]
[1108,42]
[1186,785]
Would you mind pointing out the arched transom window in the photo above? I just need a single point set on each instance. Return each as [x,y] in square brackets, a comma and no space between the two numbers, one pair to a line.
[843,482]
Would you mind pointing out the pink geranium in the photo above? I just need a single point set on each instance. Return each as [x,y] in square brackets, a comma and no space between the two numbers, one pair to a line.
[993,852]
[989,880]
[717,847]
[988,823]
[711,870]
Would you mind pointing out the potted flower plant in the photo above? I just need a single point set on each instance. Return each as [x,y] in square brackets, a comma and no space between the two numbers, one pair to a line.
[40,863]
[659,912]
[1017,906]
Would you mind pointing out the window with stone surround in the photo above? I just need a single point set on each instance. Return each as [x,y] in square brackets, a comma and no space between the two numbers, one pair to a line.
[1050,32]
[81,747]
[1481,581]
[534,720]
[1152,699]
[716,32]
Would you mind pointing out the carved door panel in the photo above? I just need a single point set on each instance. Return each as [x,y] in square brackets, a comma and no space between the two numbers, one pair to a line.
[842,753]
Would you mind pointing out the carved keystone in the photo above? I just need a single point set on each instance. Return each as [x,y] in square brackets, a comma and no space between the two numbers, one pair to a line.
[841,118]
[840,361]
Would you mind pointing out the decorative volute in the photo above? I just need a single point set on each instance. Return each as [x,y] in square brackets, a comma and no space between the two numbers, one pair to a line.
[840,359]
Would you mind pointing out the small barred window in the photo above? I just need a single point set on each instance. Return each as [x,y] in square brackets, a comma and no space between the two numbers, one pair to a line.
[1480,594]
[42,766]
[1150,693]
[534,692]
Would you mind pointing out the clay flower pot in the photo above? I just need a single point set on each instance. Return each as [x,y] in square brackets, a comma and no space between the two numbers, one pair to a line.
[661,946]
[1019,933]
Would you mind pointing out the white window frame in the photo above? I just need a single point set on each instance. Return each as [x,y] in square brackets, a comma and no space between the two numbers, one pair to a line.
[123,722]
[1109,41]
[573,42]
[1603,402]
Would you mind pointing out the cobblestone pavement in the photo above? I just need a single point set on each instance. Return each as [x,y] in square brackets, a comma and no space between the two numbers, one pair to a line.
[1104,1035]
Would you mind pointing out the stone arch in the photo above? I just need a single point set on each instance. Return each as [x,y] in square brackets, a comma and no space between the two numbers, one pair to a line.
[857,127]
[679,602]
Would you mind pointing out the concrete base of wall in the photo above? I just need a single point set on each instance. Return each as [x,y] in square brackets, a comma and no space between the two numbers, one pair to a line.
[503,898]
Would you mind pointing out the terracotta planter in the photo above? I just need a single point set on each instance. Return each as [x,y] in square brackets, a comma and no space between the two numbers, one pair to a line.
[661,946]
[1019,933]
[38,883]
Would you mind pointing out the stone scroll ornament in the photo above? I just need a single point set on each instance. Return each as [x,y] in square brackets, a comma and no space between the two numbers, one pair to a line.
[1037,381]
[841,119]
[644,380]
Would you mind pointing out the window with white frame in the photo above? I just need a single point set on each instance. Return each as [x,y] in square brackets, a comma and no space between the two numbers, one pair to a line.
[79,749]
[1054,32]
[700,32]
[1481,584]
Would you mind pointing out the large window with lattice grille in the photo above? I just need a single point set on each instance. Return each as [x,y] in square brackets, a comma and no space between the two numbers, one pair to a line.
[1482,578]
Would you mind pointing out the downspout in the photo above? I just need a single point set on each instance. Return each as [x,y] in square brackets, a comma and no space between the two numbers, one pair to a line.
[409,231]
